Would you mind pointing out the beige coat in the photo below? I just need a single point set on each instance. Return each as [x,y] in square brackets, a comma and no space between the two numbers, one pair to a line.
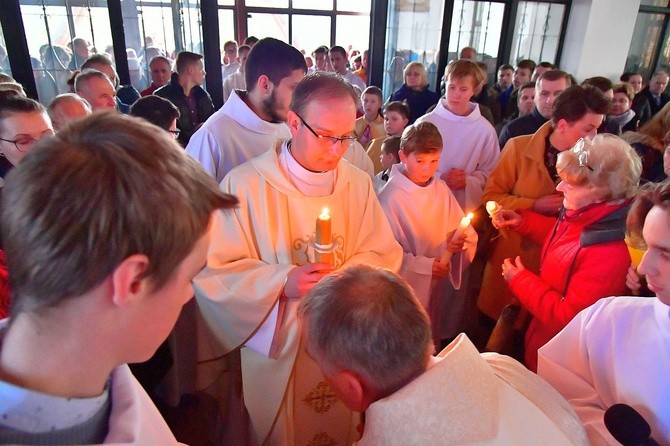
[519,178]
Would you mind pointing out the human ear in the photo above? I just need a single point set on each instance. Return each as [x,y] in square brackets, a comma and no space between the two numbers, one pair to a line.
[293,121]
[350,390]
[128,281]
[264,84]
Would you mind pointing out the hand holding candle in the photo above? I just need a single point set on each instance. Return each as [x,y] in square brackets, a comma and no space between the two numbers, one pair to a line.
[323,241]
[495,211]
[465,222]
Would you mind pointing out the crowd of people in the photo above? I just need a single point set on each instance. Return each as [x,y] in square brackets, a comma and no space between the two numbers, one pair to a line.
[352,257]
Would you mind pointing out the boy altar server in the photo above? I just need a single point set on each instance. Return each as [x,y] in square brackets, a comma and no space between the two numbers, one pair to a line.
[424,216]
[371,338]
[261,262]
[470,144]
[104,226]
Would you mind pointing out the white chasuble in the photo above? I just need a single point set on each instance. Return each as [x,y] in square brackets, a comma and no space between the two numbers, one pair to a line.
[252,250]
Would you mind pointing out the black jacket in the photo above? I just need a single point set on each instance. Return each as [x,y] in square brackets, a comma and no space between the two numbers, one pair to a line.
[174,93]
[525,125]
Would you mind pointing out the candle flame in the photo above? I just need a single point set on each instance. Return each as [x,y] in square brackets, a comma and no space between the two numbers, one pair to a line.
[325,214]
[470,216]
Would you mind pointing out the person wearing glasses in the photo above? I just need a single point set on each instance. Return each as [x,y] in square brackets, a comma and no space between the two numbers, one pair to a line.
[584,256]
[262,261]
[158,111]
[23,122]
[526,178]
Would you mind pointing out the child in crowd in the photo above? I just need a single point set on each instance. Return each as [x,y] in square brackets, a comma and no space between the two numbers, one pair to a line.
[371,125]
[396,118]
[424,216]
[104,226]
[470,144]
[389,157]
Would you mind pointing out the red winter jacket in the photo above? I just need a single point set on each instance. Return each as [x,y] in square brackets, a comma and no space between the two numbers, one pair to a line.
[572,276]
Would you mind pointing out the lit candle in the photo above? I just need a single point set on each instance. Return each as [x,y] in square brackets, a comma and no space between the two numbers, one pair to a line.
[465,222]
[323,242]
[495,211]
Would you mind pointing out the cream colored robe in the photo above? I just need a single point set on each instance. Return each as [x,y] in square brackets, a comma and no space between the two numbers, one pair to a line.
[253,249]
[468,398]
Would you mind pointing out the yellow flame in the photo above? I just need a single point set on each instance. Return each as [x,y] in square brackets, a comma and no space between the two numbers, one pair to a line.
[470,216]
[325,214]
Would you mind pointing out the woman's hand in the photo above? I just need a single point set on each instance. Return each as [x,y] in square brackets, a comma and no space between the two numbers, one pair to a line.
[508,219]
[512,268]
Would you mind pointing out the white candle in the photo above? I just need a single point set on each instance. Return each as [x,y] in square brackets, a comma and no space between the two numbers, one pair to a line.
[463,225]
[495,211]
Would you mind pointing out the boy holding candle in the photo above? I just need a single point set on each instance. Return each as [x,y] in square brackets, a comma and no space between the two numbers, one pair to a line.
[413,200]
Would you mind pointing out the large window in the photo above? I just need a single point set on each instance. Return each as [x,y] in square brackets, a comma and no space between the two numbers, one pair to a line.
[650,46]
[413,34]
[537,31]
[477,24]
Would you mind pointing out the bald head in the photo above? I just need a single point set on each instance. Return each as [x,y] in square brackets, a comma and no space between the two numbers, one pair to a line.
[66,108]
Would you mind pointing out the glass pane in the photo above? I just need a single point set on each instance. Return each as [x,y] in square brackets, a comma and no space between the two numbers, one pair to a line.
[477,25]
[4,60]
[310,32]
[413,34]
[537,29]
[354,5]
[324,5]
[664,59]
[268,25]
[191,28]
[226,26]
[48,42]
[646,38]
[226,2]
[99,41]
[268,4]
[654,3]
[352,32]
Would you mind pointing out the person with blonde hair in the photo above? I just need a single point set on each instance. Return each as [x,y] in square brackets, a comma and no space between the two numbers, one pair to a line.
[648,143]
[415,91]
[584,257]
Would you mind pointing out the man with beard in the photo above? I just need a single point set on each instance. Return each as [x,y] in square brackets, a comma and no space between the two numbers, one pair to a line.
[250,121]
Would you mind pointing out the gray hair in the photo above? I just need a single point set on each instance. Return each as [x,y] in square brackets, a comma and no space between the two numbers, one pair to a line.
[367,320]
[82,79]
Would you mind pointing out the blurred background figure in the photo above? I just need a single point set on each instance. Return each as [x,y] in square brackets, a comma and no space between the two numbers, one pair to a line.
[66,108]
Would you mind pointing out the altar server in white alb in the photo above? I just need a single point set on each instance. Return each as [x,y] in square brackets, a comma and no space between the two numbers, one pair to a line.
[104,225]
[261,262]
[424,216]
[372,340]
[618,350]
[470,142]
[250,121]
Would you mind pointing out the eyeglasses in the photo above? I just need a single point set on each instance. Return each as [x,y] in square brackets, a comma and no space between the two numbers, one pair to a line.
[175,133]
[349,140]
[24,143]
[582,155]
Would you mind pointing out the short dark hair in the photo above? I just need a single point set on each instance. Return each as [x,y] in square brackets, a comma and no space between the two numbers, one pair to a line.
[547,65]
[375,91]
[399,107]
[12,102]
[526,64]
[625,77]
[106,187]
[251,40]
[161,59]
[338,49]
[601,83]
[529,84]
[505,66]
[318,86]
[156,110]
[274,59]
[391,145]
[323,49]
[185,59]
[554,75]
[576,101]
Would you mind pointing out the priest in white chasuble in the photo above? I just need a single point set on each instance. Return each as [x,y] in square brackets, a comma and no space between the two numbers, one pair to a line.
[264,258]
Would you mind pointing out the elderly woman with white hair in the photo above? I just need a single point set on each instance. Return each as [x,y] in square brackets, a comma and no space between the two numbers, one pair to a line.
[584,257]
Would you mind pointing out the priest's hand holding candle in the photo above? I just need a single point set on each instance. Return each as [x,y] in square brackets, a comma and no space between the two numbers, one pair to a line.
[323,241]
[456,241]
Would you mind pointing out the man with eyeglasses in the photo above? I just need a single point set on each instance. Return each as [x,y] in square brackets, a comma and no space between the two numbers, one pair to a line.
[262,262]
